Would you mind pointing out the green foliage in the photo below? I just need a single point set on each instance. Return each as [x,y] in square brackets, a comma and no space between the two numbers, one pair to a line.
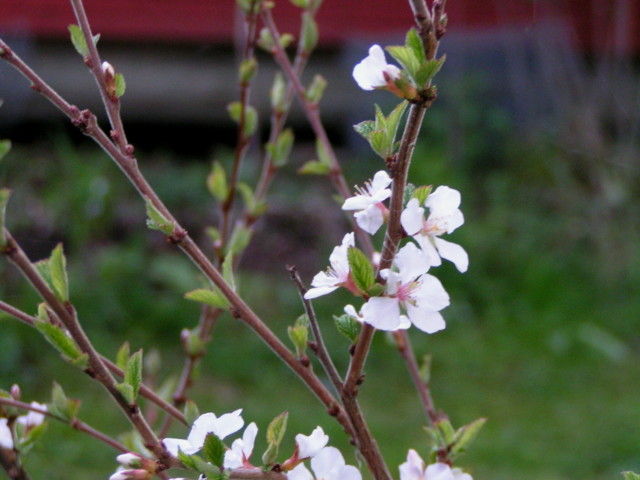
[191,411]
[316,90]
[61,406]
[120,85]
[212,297]
[309,33]
[5,148]
[79,42]
[347,326]
[275,435]
[322,166]
[217,182]
[630,476]
[299,334]
[281,148]
[5,193]
[248,115]
[247,70]
[133,373]
[213,450]
[157,221]
[361,268]
[381,132]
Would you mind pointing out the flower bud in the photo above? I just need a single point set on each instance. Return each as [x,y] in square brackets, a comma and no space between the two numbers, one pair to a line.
[15,391]
[130,460]
[109,78]
[134,474]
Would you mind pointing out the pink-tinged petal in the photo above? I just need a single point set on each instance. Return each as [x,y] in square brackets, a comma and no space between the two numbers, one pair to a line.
[370,219]
[431,294]
[413,468]
[439,471]
[412,217]
[460,475]
[310,445]
[173,445]
[6,438]
[382,313]
[411,262]
[443,201]
[454,253]
[299,473]
[249,439]
[426,320]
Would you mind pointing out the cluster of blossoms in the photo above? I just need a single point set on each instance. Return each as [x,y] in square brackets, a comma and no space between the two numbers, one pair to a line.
[28,421]
[411,295]
[327,463]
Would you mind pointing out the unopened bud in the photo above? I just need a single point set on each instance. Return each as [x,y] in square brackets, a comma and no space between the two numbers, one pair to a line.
[15,391]
[130,460]
[109,79]
[134,474]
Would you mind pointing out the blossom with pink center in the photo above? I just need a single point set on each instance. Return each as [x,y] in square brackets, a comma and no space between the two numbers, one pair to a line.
[415,469]
[444,217]
[374,71]
[241,448]
[368,202]
[337,275]
[308,446]
[410,289]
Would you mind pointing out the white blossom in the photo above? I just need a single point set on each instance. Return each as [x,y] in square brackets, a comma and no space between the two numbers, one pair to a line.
[241,448]
[328,464]
[444,217]
[414,469]
[337,275]
[6,438]
[410,289]
[32,419]
[368,202]
[309,445]
[205,424]
[374,71]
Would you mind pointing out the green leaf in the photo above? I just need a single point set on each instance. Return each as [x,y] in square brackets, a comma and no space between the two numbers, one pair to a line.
[277,94]
[379,143]
[414,42]
[58,405]
[5,147]
[82,361]
[314,167]
[309,35]
[33,434]
[157,221]
[248,69]
[59,339]
[193,343]
[266,40]
[122,357]
[365,128]
[240,238]
[213,298]
[316,90]
[323,154]
[254,208]
[631,476]
[393,122]
[361,269]
[347,326]
[428,70]
[217,182]
[236,109]
[275,434]
[421,193]
[405,57]
[78,41]
[281,148]
[299,334]
[58,269]
[465,435]
[194,462]
[227,271]
[213,450]
[446,430]
[191,411]
[120,85]
[133,373]
[127,393]
[5,193]
[300,3]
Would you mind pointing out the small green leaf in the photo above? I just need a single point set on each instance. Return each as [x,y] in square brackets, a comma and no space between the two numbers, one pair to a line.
[250,119]
[191,411]
[375,290]
[446,430]
[286,39]
[379,143]
[465,435]
[194,462]
[61,406]
[347,326]
[316,90]
[300,3]
[281,148]
[361,269]
[5,147]
[59,339]
[421,193]
[127,393]
[193,343]
[120,85]
[275,434]
[309,35]
[631,476]
[133,373]
[299,334]
[33,434]
[248,69]
[227,271]
[78,41]
[213,298]
[277,94]
[58,269]
[213,450]
[122,357]
[266,40]
[217,182]
[428,70]
[82,361]
[157,221]
[254,208]
[323,154]
[5,193]
[365,128]
[406,58]
[414,42]
[393,122]
[240,238]
[314,167]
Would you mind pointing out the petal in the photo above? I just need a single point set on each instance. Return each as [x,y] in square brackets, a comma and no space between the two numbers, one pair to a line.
[368,73]
[299,473]
[229,423]
[426,320]
[326,462]
[426,244]
[411,262]
[412,217]
[454,253]
[413,468]
[6,438]
[309,446]
[173,445]
[249,439]
[431,294]
[438,471]
[370,219]
[460,475]
[357,202]
[233,456]
[382,313]
[443,201]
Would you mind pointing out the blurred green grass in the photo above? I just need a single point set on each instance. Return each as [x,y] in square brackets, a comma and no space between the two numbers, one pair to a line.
[542,335]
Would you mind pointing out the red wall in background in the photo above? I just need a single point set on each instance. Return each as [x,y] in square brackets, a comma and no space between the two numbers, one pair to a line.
[593,22]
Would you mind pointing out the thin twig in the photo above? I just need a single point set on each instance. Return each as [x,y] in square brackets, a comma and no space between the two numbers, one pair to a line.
[75,423]
[319,347]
